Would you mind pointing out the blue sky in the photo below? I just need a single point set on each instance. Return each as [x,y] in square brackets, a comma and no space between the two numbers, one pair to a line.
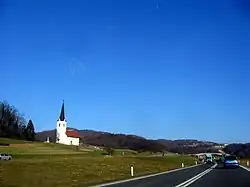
[159,69]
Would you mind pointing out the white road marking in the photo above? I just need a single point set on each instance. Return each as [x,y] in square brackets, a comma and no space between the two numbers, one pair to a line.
[248,169]
[195,178]
[191,179]
[143,177]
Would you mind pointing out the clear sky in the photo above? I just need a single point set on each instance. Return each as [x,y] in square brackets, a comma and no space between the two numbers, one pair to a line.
[154,68]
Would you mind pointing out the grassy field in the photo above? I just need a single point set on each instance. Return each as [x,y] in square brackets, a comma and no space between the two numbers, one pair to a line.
[52,165]
[19,147]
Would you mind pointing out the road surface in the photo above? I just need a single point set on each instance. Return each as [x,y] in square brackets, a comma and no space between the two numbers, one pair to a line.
[201,176]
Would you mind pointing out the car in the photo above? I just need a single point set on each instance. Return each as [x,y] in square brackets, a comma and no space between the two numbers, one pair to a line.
[208,158]
[4,156]
[231,161]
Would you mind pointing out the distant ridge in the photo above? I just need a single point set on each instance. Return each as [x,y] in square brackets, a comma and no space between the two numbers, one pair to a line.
[134,142]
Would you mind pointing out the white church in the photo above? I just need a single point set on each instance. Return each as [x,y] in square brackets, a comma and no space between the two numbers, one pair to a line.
[65,135]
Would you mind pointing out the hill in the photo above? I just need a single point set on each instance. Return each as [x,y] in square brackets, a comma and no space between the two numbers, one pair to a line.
[106,139]
[239,149]
[190,146]
[22,147]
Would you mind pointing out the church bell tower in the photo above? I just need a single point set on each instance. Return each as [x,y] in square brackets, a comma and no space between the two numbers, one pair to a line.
[61,127]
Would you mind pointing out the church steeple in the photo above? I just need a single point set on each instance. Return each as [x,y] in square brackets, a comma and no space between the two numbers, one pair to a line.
[62,114]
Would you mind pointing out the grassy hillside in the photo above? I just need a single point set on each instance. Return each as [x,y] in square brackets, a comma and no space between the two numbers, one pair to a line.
[21,147]
[40,164]
[13,141]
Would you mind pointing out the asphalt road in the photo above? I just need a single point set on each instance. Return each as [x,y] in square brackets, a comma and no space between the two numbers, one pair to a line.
[200,176]
[220,177]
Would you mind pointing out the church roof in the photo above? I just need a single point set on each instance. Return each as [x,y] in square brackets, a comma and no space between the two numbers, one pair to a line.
[62,114]
[73,134]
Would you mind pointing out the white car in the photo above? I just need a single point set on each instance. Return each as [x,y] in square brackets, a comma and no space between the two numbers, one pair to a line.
[4,156]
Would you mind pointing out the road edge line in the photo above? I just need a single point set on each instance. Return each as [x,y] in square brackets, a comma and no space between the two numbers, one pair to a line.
[145,176]
[246,168]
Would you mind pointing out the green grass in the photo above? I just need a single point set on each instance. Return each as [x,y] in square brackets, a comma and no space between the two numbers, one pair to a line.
[52,165]
[75,170]
[38,148]
[20,147]
[125,152]
[13,141]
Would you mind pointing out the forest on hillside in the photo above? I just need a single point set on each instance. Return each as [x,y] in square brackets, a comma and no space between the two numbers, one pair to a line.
[239,149]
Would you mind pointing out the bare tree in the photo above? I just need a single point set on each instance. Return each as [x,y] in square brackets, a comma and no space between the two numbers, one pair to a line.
[12,123]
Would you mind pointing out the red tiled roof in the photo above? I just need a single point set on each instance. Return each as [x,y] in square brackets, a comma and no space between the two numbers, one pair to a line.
[73,134]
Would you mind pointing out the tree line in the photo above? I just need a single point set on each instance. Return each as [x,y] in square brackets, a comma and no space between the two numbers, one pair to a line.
[124,141]
[13,123]
[241,150]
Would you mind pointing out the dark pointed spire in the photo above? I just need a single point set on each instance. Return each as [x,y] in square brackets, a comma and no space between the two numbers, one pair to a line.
[62,115]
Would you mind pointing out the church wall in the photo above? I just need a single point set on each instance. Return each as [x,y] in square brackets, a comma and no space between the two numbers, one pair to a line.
[73,141]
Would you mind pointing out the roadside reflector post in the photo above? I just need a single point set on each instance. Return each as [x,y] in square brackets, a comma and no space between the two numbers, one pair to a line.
[132,171]
[182,165]
[247,163]
[195,162]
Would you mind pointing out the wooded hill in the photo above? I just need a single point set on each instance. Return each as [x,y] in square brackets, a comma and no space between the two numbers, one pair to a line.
[134,142]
